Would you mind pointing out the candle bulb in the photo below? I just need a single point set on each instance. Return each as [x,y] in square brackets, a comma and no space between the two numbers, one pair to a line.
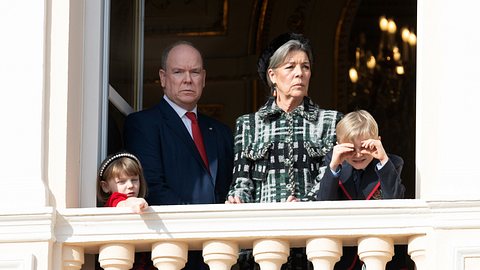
[396,54]
[371,62]
[383,22]
[405,34]
[353,75]
[392,27]
[400,70]
[412,39]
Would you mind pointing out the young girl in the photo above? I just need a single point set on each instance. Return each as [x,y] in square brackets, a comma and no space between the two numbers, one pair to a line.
[120,182]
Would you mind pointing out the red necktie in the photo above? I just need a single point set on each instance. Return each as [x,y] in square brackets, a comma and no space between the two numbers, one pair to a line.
[197,137]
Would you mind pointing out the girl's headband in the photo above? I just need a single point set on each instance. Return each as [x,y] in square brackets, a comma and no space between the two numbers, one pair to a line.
[113,158]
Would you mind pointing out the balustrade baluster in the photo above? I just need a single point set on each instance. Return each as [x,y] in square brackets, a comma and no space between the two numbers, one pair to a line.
[220,255]
[324,252]
[270,254]
[375,252]
[73,257]
[116,256]
[169,255]
[417,249]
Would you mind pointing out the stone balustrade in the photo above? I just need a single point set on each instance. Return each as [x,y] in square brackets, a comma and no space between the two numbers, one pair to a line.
[270,230]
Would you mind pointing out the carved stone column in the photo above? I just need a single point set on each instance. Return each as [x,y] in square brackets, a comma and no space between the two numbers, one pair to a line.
[116,256]
[270,254]
[375,252]
[417,249]
[324,252]
[169,255]
[220,255]
[73,257]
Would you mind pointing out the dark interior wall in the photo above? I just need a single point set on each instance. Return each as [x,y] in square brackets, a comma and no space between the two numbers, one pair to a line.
[230,58]
[318,21]
[230,67]
[231,55]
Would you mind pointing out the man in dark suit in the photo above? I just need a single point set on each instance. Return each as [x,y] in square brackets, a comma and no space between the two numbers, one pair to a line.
[179,166]
[162,137]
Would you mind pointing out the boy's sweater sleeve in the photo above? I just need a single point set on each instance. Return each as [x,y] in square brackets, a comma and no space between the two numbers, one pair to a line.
[328,190]
[390,180]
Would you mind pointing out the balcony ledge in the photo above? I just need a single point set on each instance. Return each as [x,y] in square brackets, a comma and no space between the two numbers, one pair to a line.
[296,222]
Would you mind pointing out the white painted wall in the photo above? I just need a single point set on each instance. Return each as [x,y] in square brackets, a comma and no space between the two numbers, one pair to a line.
[21,110]
[93,98]
[34,66]
[448,90]
[25,256]
[447,94]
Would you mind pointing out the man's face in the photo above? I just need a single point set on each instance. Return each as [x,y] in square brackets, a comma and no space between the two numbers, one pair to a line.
[184,77]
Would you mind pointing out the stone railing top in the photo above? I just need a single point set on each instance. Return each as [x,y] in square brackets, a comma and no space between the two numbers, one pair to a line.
[296,222]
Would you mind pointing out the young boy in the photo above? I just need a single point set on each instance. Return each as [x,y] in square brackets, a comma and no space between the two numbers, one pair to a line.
[358,168]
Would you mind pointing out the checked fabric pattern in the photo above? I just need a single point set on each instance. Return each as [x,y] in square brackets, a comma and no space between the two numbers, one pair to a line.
[278,154]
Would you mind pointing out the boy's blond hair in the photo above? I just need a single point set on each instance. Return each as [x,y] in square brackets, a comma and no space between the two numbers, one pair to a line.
[356,124]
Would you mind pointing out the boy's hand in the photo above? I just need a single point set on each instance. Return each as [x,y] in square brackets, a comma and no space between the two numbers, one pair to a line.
[340,153]
[375,149]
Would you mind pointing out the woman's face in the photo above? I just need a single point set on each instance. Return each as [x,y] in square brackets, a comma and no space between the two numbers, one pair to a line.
[292,76]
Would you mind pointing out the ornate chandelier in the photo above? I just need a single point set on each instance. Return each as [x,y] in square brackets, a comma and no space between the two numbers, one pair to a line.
[384,76]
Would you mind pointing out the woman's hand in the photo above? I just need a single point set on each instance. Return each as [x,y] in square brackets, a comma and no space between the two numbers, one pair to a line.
[292,198]
[233,200]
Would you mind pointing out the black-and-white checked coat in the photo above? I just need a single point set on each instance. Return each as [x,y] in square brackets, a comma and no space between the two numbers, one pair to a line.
[280,153]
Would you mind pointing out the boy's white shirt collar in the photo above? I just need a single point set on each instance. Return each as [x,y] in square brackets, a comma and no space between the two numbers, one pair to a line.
[337,173]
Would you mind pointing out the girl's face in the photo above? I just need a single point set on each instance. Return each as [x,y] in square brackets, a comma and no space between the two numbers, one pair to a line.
[125,184]
[292,76]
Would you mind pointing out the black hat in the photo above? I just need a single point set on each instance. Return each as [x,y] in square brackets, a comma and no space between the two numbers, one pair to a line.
[276,43]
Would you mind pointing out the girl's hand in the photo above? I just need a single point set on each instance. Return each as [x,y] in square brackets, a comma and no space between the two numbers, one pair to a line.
[138,205]
[141,206]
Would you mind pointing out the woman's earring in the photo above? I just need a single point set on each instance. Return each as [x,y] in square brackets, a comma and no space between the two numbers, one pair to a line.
[274,89]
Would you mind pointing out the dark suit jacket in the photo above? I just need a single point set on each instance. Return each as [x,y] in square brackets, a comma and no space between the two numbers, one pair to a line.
[374,184]
[172,165]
